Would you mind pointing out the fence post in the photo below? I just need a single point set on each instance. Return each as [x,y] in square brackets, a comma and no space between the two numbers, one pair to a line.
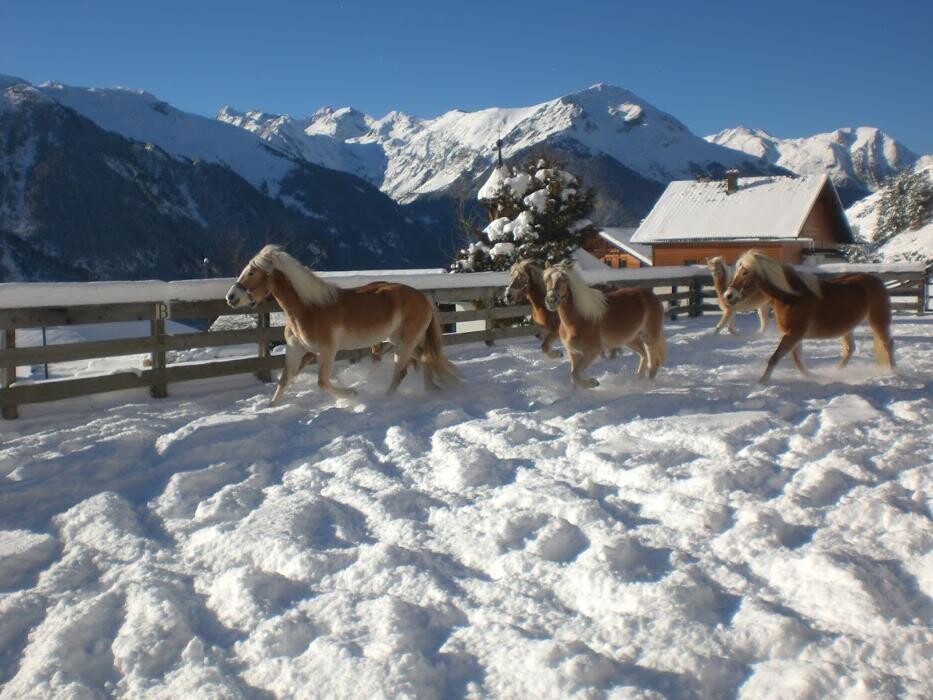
[696,298]
[923,292]
[263,321]
[8,372]
[158,389]
[673,304]
[489,301]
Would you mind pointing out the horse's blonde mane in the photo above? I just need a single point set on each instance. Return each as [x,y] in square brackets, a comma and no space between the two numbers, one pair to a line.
[310,288]
[535,272]
[774,273]
[590,303]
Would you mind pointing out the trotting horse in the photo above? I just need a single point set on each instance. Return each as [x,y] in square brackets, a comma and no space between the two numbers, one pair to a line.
[807,307]
[526,281]
[757,301]
[592,321]
[321,319]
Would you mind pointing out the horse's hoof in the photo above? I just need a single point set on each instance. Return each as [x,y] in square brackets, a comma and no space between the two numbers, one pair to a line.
[592,383]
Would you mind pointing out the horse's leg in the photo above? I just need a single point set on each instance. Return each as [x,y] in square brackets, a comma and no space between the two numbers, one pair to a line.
[549,338]
[325,367]
[727,315]
[788,342]
[403,352]
[762,318]
[848,347]
[797,357]
[638,345]
[731,328]
[296,357]
[579,361]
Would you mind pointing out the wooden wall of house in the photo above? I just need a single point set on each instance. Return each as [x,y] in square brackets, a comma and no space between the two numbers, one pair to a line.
[823,225]
[610,255]
[697,253]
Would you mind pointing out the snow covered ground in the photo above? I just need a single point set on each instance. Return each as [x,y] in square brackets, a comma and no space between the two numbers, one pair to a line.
[698,536]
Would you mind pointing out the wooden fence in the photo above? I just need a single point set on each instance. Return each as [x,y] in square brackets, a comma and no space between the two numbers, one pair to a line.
[685,291]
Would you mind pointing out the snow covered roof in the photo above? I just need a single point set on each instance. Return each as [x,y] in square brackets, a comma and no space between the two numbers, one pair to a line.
[622,238]
[763,208]
[587,261]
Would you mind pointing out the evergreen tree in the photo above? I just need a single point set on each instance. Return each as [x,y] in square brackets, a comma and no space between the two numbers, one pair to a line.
[538,211]
[905,203]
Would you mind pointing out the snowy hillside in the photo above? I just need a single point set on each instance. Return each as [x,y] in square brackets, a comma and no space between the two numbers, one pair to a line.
[141,116]
[700,536]
[424,156]
[857,160]
[906,245]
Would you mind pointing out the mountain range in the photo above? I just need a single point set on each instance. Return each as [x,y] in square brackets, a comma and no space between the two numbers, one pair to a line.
[115,183]
[858,160]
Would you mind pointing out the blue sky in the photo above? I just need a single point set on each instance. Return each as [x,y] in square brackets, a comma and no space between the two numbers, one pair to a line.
[793,68]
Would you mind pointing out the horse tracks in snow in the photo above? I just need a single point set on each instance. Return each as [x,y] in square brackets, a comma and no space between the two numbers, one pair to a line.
[699,536]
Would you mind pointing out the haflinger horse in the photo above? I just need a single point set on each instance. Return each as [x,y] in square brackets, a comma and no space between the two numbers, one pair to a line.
[526,281]
[592,321]
[756,301]
[321,319]
[808,307]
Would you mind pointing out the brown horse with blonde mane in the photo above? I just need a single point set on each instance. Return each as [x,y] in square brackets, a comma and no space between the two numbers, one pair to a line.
[756,301]
[808,307]
[321,319]
[592,321]
[526,281]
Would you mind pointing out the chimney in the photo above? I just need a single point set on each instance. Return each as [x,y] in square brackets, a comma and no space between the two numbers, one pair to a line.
[732,181]
[499,147]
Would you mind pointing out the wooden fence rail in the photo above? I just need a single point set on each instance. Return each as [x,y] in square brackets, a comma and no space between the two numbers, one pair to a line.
[685,292]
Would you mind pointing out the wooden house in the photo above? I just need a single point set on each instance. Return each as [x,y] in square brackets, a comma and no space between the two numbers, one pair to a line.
[793,219]
[615,248]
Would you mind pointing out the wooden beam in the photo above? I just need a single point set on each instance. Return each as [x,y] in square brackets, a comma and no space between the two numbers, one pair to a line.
[7,375]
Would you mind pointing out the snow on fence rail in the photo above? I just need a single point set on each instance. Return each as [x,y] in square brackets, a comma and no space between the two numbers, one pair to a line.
[40,305]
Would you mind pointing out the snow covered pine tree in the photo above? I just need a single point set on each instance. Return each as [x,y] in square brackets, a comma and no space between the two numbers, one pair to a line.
[539,211]
[905,203]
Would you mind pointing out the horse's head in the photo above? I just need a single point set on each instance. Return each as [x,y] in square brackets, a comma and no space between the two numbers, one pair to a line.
[556,285]
[717,265]
[744,281]
[519,283]
[253,286]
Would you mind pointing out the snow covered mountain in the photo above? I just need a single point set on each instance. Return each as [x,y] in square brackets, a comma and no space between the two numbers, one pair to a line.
[98,184]
[424,157]
[857,160]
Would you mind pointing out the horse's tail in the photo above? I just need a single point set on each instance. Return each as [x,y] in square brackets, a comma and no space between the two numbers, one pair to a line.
[653,332]
[879,318]
[441,370]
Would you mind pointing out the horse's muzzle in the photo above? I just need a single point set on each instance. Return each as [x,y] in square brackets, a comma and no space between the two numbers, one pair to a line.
[237,296]
[732,296]
[551,302]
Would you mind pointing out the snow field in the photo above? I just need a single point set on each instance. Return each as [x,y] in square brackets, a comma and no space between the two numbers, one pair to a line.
[699,536]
